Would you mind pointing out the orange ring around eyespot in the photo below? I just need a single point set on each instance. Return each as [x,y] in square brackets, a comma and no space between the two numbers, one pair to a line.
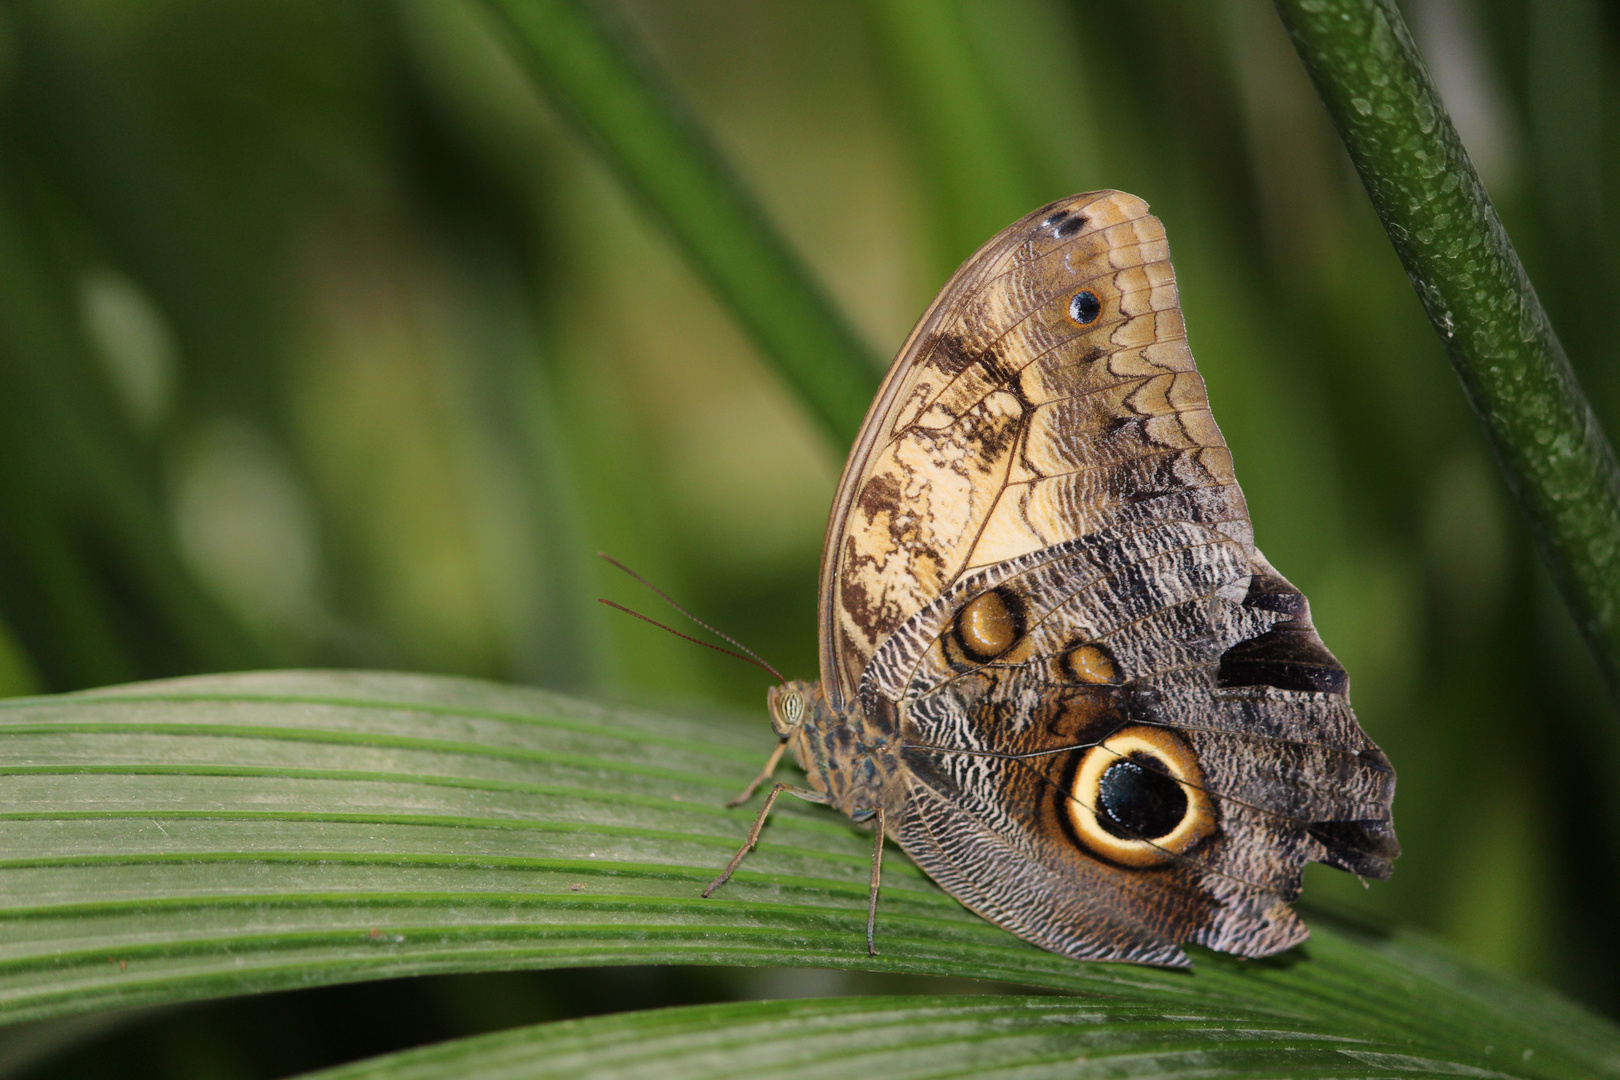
[989,625]
[1176,758]
[1091,663]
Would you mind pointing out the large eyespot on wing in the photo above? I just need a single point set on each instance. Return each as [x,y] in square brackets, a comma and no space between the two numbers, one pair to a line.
[1138,798]
[1047,393]
[1078,917]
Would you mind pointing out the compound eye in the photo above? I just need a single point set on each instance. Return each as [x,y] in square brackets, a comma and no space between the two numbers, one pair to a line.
[789,706]
[1138,798]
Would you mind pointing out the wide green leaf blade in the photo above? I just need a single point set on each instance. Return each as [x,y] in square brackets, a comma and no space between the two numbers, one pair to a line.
[901,1038]
[223,834]
[226,834]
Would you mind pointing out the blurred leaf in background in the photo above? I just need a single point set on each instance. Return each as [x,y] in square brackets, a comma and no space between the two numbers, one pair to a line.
[324,341]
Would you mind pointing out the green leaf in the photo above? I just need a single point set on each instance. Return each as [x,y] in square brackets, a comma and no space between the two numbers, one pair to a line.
[232,833]
[660,152]
[227,834]
[1001,1035]
[1477,294]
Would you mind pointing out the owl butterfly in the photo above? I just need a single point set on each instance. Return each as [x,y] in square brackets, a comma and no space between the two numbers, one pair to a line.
[1054,667]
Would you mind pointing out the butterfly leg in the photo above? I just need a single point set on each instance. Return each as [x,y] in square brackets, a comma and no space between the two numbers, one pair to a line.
[877,880]
[759,823]
[764,775]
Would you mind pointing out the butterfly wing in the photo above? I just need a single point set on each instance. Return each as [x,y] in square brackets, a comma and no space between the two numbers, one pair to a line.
[1047,392]
[1039,565]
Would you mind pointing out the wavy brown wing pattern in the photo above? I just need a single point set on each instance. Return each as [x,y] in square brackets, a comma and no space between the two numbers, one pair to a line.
[1048,392]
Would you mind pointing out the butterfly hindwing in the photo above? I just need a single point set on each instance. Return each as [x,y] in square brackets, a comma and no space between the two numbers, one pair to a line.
[1010,753]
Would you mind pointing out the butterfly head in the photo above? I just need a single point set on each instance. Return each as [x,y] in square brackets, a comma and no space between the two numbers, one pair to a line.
[790,703]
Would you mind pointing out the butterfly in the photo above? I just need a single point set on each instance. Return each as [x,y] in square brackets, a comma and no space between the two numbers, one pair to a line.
[1054,667]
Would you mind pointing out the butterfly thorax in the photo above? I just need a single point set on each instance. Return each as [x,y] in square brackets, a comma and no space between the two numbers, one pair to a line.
[844,755]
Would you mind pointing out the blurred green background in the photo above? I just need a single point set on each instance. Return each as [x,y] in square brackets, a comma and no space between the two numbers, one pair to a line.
[325,342]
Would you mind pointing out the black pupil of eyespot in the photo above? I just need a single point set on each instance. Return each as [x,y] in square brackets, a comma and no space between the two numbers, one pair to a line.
[1136,801]
[1084,307]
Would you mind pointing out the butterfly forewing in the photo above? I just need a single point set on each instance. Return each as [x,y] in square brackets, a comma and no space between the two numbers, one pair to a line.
[1047,393]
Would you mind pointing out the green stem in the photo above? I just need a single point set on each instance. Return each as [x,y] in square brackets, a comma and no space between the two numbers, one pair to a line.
[658,150]
[1546,436]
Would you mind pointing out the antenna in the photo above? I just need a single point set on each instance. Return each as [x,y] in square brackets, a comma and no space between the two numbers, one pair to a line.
[747,654]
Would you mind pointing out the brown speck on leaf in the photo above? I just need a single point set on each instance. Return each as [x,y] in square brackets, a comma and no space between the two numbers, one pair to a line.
[578,886]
